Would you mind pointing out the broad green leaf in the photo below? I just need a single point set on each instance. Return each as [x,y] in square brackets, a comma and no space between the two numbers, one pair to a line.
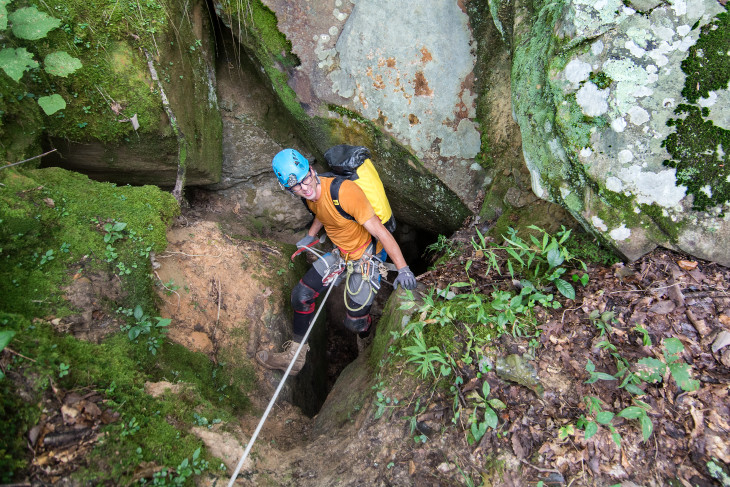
[604,376]
[52,104]
[590,366]
[162,322]
[4,14]
[60,63]
[604,417]
[516,256]
[5,337]
[631,412]
[32,24]
[554,258]
[15,62]
[681,374]
[490,417]
[634,389]
[486,389]
[478,430]
[654,369]
[565,288]
[591,429]
[616,439]
[646,426]
[497,404]
[138,312]
[674,347]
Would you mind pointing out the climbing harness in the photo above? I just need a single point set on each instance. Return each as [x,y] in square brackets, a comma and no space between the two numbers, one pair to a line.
[256,432]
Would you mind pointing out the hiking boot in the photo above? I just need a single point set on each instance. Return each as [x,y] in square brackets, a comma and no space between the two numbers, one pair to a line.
[280,361]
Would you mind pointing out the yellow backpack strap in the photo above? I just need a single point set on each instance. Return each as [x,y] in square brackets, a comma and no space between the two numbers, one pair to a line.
[335,195]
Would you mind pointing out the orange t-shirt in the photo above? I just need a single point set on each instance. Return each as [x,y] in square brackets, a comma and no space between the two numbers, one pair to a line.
[350,236]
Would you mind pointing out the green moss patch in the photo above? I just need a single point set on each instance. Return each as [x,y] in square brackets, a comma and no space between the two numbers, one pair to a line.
[698,148]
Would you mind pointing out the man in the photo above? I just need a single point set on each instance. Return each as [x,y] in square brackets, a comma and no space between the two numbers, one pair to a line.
[356,252]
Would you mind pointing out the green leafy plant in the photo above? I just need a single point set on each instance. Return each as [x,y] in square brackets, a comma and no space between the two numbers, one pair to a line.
[425,357]
[110,254]
[596,376]
[130,428]
[597,416]
[639,412]
[114,231]
[653,369]
[544,262]
[30,24]
[47,257]
[566,431]
[645,338]
[603,321]
[144,326]
[479,427]
[63,369]
[382,402]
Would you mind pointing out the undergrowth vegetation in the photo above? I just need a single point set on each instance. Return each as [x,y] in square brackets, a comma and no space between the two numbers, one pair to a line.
[58,228]
[449,338]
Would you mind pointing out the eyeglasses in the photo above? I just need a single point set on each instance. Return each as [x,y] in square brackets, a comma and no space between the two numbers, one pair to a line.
[307,181]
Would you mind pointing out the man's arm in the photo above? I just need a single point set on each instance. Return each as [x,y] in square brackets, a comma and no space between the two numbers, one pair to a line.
[315,228]
[377,230]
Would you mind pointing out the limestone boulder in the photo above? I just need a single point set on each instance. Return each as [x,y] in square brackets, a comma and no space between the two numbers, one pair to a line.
[405,91]
[623,109]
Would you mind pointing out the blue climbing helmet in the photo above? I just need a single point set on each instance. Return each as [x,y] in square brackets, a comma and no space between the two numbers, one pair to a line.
[290,167]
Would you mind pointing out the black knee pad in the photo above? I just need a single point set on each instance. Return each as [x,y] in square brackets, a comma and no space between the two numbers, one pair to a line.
[302,298]
[357,324]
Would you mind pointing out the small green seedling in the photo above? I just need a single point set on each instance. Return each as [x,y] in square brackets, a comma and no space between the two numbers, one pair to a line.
[654,369]
[596,376]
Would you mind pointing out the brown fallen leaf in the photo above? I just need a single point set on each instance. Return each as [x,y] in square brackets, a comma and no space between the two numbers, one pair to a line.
[687,265]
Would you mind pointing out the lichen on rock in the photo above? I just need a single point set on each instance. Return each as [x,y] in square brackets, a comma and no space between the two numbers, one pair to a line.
[617,119]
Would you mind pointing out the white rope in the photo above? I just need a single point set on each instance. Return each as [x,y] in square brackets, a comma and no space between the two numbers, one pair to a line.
[276,393]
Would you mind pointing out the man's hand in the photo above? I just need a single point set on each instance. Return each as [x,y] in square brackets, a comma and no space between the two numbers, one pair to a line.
[306,241]
[405,278]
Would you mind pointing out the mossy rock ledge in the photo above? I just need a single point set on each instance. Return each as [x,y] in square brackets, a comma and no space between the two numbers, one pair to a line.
[114,126]
[624,118]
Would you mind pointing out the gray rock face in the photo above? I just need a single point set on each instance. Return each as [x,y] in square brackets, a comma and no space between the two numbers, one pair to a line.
[406,66]
[595,84]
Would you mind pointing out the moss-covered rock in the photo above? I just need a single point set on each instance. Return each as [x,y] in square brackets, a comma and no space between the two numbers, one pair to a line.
[113,125]
[622,118]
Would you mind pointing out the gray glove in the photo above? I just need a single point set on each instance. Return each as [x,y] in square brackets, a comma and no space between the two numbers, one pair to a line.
[405,278]
[306,241]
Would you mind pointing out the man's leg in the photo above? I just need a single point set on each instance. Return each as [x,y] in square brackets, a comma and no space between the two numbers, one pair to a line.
[302,300]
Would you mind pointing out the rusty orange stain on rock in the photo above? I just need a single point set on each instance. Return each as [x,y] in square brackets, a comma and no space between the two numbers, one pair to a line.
[425,55]
[421,85]
[413,119]
[390,62]
[378,84]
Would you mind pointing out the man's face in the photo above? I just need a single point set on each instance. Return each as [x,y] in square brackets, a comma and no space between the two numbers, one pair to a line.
[308,187]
